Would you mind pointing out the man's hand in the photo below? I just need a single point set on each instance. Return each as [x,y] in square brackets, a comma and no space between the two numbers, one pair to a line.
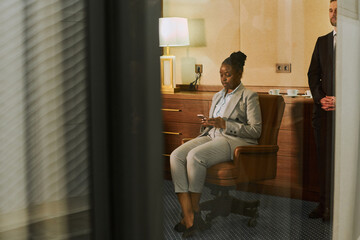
[215,122]
[328,103]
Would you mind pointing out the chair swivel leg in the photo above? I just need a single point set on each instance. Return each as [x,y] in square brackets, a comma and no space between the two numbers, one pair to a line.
[219,206]
[246,208]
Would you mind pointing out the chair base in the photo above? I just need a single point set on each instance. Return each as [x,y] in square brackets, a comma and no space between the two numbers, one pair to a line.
[224,204]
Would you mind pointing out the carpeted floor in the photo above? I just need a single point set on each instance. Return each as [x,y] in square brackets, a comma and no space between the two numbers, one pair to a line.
[280,218]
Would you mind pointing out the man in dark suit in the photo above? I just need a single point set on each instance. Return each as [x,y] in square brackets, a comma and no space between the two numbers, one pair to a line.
[321,76]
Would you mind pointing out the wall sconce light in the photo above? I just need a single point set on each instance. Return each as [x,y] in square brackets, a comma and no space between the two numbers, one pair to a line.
[173,32]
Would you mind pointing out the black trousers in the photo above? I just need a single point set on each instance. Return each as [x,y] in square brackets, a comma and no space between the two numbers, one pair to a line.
[324,126]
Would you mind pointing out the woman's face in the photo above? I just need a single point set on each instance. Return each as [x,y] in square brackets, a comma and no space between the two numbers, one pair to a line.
[230,79]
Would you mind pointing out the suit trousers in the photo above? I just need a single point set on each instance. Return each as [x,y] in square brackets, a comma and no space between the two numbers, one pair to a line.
[189,161]
[324,139]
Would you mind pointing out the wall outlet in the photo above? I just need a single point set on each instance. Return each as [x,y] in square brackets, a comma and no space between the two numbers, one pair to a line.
[198,68]
[283,67]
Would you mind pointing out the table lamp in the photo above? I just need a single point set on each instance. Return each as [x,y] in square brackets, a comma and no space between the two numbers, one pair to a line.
[173,32]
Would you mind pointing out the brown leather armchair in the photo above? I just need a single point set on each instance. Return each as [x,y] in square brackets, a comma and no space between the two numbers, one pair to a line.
[250,163]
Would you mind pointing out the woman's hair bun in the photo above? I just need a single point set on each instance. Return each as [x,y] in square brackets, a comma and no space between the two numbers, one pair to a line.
[236,60]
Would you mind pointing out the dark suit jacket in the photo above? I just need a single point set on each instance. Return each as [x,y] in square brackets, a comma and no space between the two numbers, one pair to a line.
[321,73]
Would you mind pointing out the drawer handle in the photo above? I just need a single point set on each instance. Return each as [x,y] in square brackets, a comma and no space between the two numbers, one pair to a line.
[171,110]
[166,155]
[172,133]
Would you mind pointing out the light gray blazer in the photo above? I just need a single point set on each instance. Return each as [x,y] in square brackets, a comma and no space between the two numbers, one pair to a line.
[242,116]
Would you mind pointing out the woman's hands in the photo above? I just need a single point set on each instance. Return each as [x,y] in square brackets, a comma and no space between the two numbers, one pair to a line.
[215,122]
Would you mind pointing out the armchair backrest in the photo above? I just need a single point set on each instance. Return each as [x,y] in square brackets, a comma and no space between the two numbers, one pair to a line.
[272,109]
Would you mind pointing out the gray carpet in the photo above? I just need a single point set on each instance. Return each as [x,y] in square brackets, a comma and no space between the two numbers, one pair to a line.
[280,218]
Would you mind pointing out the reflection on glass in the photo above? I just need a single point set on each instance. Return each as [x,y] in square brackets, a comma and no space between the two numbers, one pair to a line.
[43,114]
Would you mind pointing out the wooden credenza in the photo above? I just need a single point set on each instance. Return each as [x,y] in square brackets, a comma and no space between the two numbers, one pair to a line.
[180,119]
[296,166]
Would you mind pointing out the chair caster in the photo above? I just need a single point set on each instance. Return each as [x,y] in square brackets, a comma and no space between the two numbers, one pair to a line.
[252,222]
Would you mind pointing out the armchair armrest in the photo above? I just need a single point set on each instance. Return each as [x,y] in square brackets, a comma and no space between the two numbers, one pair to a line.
[256,162]
[256,149]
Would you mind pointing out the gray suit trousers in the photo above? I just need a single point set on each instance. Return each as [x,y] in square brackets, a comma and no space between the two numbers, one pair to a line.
[189,161]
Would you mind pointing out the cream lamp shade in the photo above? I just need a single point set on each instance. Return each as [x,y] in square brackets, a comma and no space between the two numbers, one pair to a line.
[173,32]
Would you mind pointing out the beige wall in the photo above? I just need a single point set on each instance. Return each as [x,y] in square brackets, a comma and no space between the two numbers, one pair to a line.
[268,32]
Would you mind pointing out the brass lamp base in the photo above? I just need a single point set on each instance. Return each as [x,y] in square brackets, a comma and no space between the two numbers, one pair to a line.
[168,84]
[170,90]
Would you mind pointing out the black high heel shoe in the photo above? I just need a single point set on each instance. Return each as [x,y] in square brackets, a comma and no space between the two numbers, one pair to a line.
[180,227]
[199,224]
[189,232]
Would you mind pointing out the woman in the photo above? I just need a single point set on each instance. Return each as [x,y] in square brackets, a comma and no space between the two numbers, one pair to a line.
[235,120]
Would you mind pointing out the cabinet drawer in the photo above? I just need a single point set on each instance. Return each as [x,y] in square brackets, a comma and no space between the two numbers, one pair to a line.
[175,132]
[181,110]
